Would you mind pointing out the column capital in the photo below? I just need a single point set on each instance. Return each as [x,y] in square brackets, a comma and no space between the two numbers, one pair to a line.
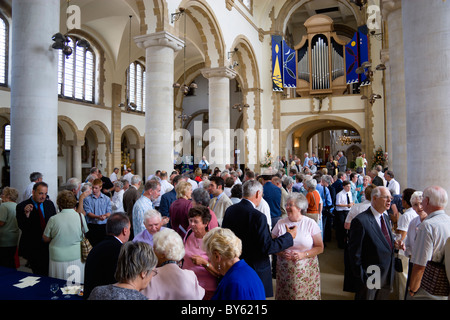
[389,6]
[220,72]
[160,39]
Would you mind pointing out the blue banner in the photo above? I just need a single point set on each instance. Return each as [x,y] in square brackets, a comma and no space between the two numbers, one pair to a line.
[289,67]
[356,52]
[277,63]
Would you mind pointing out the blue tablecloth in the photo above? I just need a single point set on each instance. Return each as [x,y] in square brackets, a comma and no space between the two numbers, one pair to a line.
[39,291]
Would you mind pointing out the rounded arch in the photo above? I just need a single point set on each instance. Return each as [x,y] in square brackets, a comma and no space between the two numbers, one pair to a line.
[68,126]
[307,127]
[132,134]
[102,132]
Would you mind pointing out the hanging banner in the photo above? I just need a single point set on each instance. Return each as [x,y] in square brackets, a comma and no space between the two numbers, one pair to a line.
[356,52]
[277,61]
[289,67]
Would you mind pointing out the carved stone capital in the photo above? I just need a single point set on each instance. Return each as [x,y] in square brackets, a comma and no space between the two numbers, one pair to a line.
[220,72]
[160,39]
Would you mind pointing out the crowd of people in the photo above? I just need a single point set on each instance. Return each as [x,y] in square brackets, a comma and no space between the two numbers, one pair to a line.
[217,234]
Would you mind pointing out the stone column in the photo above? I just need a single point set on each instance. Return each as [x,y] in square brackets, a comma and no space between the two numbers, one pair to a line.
[76,160]
[219,149]
[427,65]
[160,48]
[396,102]
[34,99]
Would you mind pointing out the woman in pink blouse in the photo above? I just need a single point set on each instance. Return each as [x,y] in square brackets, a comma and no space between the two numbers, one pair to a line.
[298,274]
[195,258]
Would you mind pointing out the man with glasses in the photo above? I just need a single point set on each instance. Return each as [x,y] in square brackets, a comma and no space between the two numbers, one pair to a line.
[371,249]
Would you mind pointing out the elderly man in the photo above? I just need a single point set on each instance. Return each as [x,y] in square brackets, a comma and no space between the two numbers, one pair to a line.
[250,225]
[130,197]
[153,222]
[371,249]
[152,191]
[391,183]
[342,162]
[32,216]
[431,238]
[35,177]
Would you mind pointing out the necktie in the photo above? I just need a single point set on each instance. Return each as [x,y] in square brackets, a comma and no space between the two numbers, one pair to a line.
[385,232]
[348,199]
[387,184]
[213,203]
[41,217]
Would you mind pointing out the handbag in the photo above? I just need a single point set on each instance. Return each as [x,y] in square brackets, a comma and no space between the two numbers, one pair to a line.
[435,280]
[84,244]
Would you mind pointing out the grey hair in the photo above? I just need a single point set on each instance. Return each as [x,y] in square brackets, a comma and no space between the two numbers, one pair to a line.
[311,183]
[72,183]
[135,179]
[224,242]
[35,175]
[169,242]
[327,179]
[118,184]
[151,213]
[437,195]
[250,188]
[299,200]
[85,186]
[135,257]
[201,196]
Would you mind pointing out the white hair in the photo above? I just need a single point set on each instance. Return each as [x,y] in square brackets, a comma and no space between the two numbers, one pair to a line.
[151,213]
[416,197]
[437,195]
[169,242]
[250,187]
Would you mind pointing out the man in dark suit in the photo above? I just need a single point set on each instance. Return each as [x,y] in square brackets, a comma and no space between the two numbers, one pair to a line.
[376,179]
[130,197]
[250,225]
[32,216]
[101,262]
[168,198]
[371,249]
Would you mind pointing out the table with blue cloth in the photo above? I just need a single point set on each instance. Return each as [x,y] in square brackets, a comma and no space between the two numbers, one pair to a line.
[39,291]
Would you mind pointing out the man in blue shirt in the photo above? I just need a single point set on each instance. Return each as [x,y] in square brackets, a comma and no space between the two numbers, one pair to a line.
[98,209]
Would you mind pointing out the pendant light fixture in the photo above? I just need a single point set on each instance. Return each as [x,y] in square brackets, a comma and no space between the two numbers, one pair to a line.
[184,87]
[128,105]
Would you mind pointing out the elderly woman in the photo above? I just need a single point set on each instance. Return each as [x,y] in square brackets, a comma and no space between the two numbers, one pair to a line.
[200,197]
[315,204]
[179,209]
[64,233]
[172,282]
[153,222]
[9,230]
[135,269]
[367,180]
[117,198]
[240,281]
[298,274]
[196,258]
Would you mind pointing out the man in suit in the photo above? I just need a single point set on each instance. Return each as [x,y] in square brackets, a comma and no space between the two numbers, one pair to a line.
[220,201]
[168,198]
[371,249]
[251,227]
[101,262]
[32,216]
[376,179]
[130,197]
[342,162]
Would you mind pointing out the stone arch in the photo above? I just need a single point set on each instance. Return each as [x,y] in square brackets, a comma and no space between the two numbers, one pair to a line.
[132,134]
[309,126]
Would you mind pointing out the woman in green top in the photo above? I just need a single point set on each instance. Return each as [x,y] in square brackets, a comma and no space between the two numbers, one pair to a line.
[9,231]
[63,231]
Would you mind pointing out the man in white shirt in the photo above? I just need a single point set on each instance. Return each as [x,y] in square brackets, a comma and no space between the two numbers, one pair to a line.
[128,175]
[359,207]
[35,177]
[391,183]
[344,202]
[165,187]
[113,177]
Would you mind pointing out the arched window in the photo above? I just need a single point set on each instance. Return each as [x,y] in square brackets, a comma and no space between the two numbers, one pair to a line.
[136,85]
[76,73]
[4,32]
[7,137]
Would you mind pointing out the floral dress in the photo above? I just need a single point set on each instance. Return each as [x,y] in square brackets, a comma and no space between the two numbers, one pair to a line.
[298,280]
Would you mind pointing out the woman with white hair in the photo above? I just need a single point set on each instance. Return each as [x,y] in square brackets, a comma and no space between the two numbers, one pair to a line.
[172,282]
[298,274]
[117,198]
[153,222]
[240,281]
[315,204]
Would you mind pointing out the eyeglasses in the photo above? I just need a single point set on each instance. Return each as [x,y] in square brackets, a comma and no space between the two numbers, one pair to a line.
[387,198]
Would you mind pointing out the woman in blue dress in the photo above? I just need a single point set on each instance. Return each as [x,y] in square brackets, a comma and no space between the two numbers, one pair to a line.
[240,281]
